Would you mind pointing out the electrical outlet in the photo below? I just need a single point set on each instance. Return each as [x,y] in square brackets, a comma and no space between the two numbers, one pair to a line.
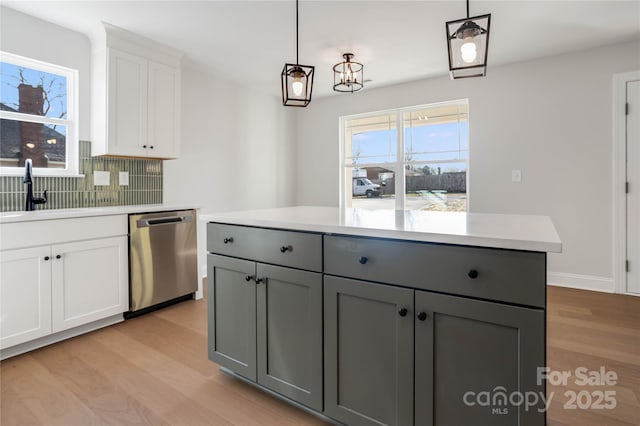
[516,175]
[123,178]
[101,178]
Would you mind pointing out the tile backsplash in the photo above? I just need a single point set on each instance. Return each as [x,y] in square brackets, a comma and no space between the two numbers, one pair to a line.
[145,185]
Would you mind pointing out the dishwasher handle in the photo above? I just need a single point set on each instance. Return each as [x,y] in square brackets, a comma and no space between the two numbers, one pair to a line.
[144,223]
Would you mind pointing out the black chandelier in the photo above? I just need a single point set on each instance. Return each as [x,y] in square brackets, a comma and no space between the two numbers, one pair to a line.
[468,45]
[347,75]
[297,80]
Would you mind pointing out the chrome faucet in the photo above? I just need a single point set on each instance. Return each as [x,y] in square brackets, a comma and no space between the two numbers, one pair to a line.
[28,179]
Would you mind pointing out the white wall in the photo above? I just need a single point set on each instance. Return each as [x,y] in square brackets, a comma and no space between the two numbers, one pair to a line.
[550,118]
[34,38]
[236,150]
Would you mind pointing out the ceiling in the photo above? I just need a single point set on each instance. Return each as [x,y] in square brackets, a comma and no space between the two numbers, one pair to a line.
[250,41]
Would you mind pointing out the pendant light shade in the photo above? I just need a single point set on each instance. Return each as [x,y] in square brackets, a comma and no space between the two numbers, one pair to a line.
[347,75]
[468,46]
[297,80]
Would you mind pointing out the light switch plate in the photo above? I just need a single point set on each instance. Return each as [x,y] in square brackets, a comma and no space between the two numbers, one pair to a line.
[516,176]
[123,178]
[101,178]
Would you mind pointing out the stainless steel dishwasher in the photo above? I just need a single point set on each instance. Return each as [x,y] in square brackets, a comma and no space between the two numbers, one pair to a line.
[162,259]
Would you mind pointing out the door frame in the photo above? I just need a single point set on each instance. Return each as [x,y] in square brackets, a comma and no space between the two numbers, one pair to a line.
[619,178]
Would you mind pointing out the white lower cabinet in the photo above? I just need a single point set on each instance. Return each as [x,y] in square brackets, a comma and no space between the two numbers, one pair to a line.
[25,295]
[77,275]
[89,281]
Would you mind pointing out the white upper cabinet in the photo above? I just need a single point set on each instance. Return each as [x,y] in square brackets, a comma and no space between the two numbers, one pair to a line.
[127,103]
[163,110]
[135,96]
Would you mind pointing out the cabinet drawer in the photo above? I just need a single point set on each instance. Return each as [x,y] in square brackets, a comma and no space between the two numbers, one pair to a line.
[55,231]
[501,275]
[287,248]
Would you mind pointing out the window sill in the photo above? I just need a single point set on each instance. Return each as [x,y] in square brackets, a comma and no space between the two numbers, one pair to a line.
[41,175]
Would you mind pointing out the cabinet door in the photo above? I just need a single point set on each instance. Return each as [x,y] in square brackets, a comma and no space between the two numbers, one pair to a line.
[465,347]
[290,333]
[127,104]
[163,111]
[368,352]
[90,281]
[231,314]
[25,295]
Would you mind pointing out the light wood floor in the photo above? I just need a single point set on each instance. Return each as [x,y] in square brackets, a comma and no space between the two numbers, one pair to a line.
[154,370]
[593,330]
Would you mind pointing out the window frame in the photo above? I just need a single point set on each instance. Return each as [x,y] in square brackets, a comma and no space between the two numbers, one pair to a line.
[72,143]
[400,162]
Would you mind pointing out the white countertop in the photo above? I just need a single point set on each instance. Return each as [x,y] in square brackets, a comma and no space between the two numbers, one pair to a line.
[518,232]
[23,216]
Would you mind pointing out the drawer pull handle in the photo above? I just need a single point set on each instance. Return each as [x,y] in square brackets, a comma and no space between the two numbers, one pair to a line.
[284,249]
[473,274]
[422,316]
[46,258]
[228,240]
[363,260]
[259,280]
[248,278]
[403,312]
[58,256]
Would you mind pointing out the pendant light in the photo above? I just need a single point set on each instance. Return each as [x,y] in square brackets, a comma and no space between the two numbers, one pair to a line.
[297,80]
[468,45]
[347,75]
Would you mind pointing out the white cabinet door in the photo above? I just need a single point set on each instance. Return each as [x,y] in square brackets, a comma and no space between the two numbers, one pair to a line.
[163,111]
[127,104]
[89,281]
[25,295]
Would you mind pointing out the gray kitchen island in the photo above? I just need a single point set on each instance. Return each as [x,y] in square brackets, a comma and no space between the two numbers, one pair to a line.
[387,317]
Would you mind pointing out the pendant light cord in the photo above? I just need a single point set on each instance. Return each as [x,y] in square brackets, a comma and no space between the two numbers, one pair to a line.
[467,8]
[297,60]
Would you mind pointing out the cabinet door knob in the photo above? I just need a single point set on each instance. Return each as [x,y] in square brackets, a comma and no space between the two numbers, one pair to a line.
[473,274]
[144,146]
[422,316]
[283,249]
[151,147]
[259,280]
[58,256]
[248,278]
[46,258]
[363,260]
[228,240]
[403,312]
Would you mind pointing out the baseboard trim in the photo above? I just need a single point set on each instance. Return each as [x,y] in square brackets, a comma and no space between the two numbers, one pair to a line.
[582,282]
[57,337]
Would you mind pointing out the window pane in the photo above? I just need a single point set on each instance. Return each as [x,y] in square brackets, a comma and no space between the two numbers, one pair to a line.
[31,91]
[371,140]
[436,186]
[438,133]
[45,144]
[429,174]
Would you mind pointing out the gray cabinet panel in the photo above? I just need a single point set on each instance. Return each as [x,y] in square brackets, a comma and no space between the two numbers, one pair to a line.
[290,333]
[467,346]
[502,275]
[232,314]
[301,250]
[368,353]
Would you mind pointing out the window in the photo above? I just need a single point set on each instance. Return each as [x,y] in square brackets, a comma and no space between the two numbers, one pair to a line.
[421,167]
[38,117]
